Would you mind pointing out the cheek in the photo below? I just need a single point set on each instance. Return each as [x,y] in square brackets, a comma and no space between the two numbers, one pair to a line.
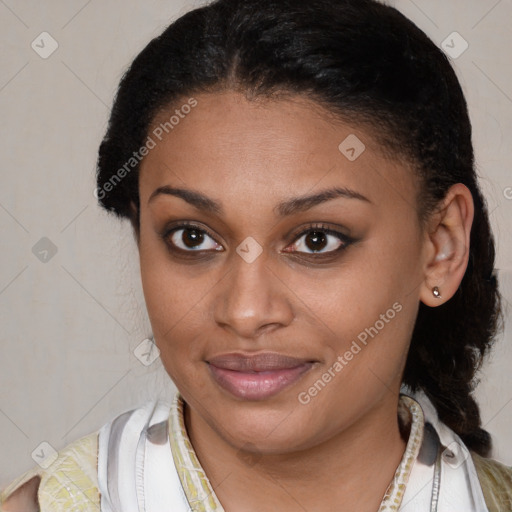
[176,297]
[167,300]
[160,283]
[370,279]
[367,308]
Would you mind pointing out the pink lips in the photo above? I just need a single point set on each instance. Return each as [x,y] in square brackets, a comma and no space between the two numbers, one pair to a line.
[256,377]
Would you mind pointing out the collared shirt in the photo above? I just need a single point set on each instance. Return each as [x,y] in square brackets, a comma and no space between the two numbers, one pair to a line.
[71,481]
[202,497]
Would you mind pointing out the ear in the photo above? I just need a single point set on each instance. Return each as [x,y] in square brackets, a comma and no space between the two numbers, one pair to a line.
[447,246]
[135,222]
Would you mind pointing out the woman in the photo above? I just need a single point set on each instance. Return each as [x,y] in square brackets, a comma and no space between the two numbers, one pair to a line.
[317,264]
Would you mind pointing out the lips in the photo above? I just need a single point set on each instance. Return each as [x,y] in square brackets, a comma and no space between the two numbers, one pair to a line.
[257,376]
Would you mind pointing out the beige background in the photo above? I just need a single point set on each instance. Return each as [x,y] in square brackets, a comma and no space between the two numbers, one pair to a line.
[69,327]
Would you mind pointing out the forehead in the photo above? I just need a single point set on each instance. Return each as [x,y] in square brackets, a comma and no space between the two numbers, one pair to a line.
[268,149]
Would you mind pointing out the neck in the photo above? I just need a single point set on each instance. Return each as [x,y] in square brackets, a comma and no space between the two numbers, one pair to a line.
[332,475]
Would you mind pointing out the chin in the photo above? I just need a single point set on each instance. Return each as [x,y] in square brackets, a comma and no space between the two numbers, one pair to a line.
[266,428]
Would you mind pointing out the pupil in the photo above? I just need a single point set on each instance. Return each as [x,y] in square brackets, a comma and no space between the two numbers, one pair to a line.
[316,237]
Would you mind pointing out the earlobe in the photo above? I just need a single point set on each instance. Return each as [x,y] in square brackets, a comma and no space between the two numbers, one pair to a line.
[448,246]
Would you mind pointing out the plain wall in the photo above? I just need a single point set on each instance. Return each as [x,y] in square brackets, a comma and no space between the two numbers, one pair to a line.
[70,325]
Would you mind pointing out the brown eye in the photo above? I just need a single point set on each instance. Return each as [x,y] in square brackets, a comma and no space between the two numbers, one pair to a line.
[190,238]
[320,240]
[316,240]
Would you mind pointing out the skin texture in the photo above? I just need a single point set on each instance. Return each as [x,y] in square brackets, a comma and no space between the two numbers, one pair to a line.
[24,499]
[278,453]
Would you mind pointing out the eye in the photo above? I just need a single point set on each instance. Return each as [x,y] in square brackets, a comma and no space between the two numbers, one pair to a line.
[317,240]
[321,240]
[189,238]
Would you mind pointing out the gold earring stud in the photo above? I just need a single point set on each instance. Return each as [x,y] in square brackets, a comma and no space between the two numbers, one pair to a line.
[436,293]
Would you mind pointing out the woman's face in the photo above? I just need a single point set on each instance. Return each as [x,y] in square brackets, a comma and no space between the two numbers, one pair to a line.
[323,291]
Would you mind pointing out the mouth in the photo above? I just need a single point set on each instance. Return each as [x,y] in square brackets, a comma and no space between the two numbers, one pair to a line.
[258,376]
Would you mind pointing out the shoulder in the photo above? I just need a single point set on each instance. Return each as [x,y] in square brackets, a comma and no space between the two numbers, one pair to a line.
[496,482]
[68,483]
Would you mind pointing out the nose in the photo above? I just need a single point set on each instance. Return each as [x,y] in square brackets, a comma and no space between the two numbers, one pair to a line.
[253,298]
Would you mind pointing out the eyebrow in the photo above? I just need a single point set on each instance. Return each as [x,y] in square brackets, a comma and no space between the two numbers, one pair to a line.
[283,209]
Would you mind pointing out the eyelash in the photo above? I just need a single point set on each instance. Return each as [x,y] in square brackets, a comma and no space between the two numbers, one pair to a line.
[322,228]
